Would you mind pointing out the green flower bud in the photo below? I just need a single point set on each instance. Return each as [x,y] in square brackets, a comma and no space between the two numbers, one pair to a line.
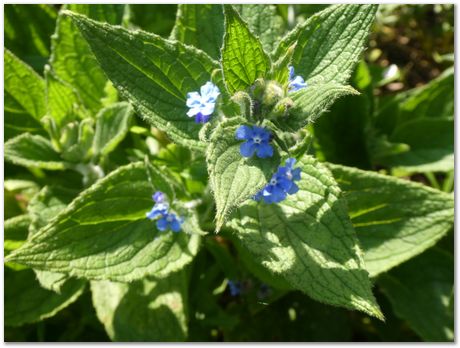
[273,93]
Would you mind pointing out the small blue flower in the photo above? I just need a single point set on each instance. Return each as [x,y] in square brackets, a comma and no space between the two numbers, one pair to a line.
[161,210]
[281,184]
[295,82]
[257,141]
[235,288]
[171,221]
[159,197]
[157,210]
[264,291]
[202,105]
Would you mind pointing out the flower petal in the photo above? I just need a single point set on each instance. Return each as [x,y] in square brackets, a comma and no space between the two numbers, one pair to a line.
[247,149]
[264,151]
[193,99]
[207,109]
[243,133]
[193,111]
[162,224]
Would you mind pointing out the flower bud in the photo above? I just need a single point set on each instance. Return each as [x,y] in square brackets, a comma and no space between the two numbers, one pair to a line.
[273,93]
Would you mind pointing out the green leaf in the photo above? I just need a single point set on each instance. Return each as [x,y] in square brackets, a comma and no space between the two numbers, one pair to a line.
[24,97]
[430,146]
[33,151]
[138,64]
[353,113]
[27,302]
[263,21]
[394,219]
[420,292]
[63,103]
[329,43]
[28,29]
[234,178]
[154,18]
[309,241]
[71,53]
[147,310]
[200,25]
[311,102]
[243,57]
[112,125]
[15,232]
[104,234]
[42,208]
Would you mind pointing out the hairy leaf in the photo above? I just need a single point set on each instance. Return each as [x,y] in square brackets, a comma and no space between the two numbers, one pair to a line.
[234,178]
[311,102]
[329,44]
[24,97]
[148,310]
[394,219]
[243,57]
[308,241]
[112,125]
[104,234]
[263,21]
[42,208]
[72,59]
[27,302]
[139,65]
[200,25]
[33,151]
[420,292]
[15,232]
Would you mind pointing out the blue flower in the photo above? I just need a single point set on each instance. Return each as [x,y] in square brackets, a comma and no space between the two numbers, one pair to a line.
[257,141]
[235,288]
[281,184]
[202,105]
[160,210]
[171,221]
[159,197]
[157,210]
[295,82]
[264,291]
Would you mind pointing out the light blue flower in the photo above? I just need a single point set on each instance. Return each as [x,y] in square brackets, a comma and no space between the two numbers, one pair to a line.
[158,210]
[281,184]
[295,82]
[202,104]
[159,197]
[257,141]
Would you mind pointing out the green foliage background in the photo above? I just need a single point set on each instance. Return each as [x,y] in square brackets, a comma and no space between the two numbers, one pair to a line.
[380,158]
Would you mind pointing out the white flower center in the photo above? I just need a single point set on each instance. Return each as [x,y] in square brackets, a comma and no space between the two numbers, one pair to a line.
[257,140]
[170,218]
[273,182]
[289,175]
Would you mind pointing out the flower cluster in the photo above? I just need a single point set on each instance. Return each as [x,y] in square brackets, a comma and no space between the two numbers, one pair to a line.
[281,184]
[257,141]
[166,219]
[295,82]
[202,104]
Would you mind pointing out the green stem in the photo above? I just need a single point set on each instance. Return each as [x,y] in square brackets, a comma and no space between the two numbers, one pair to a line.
[448,184]
[432,179]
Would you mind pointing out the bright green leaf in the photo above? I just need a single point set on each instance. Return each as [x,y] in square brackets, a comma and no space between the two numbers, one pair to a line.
[200,25]
[15,232]
[72,59]
[394,219]
[329,43]
[234,178]
[263,21]
[147,310]
[139,65]
[243,57]
[104,234]
[309,241]
[420,292]
[112,125]
[33,151]
[24,97]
